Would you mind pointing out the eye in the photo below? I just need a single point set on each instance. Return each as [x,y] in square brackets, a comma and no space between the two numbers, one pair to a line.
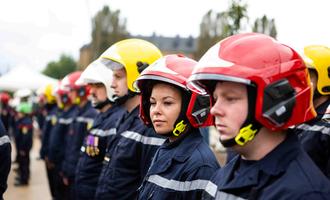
[168,103]
[231,99]
[152,102]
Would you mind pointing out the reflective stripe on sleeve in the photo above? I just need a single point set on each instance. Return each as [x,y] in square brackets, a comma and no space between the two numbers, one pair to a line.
[211,188]
[4,139]
[226,196]
[178,185]
[316,128]
[85,119]
[103,133]
[65,121]
[143,139]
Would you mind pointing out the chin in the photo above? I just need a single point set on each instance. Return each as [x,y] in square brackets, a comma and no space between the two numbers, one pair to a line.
[161,131]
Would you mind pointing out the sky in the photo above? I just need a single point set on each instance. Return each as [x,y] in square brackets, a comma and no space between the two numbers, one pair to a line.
[35,32]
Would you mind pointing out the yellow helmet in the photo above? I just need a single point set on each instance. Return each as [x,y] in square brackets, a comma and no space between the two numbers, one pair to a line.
[127,53]
[48,93]
[318,58]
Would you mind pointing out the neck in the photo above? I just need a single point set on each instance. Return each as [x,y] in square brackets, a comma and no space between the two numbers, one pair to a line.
[264,142]
[82,103]
[67,107]
[318,101]
[105,108]
[131,103]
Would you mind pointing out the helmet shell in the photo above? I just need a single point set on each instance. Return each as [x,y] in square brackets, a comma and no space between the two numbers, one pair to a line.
[127,53]
[277,71]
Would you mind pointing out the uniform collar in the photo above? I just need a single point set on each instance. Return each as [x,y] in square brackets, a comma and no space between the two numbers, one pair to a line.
[179,151]
[273,164]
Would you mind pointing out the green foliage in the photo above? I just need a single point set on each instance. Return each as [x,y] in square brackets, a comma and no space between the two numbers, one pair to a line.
[217,26]
[108,28]
[265,25]
[58,69]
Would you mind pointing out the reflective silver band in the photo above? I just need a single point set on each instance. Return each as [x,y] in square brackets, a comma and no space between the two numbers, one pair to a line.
[85,119]
[316,128]
[65,121]
[4,139]
[178,185]
[103,133]
[226,196]
[143,139]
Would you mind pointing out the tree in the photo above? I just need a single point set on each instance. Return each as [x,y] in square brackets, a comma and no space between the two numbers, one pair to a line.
[236,14]
[107,28]
[217,26]
[58,69]
[265,25]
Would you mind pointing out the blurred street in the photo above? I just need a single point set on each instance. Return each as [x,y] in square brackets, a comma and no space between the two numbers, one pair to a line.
[38,185]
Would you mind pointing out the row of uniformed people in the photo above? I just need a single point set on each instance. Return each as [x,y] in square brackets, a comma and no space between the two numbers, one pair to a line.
[167,178]
[183,164]
[118,149]
[69,115]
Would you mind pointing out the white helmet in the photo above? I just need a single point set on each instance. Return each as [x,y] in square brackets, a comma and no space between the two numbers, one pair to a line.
[23,93]
[96,72]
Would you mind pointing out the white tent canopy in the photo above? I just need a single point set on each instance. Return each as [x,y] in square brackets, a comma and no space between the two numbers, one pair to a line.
[24,77]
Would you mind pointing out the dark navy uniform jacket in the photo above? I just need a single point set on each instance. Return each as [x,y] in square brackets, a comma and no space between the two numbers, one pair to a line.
[25,133]
[57,137]
[89,166]
[286,173]
[50,121]
[74,139]
[128,158]
[5,159]
[314,136]
[180,170]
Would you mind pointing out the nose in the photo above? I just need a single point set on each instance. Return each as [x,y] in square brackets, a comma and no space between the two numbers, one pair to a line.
[217,109]
[113,84]
[154,110]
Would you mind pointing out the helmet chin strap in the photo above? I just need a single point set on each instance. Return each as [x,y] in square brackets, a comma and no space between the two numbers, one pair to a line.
[121,100]
[101,105]
[250,127]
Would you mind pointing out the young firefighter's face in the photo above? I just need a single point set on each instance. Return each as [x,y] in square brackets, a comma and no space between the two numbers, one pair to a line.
[98,93]
[230,108]
[165,107]
[119,82]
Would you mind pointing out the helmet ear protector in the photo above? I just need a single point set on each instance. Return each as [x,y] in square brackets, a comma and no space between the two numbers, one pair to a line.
[199,110]
[279,101]
[65,98]
[81,92]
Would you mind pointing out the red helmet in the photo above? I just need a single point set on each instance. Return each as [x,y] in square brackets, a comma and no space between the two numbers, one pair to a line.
[175,70]
[283,89]
[4,97]
[69,82]
[63,93]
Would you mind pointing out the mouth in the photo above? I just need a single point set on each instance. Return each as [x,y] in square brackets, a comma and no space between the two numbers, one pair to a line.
[220,127]
[157,122]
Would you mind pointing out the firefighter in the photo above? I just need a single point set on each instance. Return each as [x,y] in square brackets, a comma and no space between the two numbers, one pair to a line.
[83,121]
[51,115]
[130,152]
[24,142]
[260,88]
[315,134]
[57,141]
[5,159]
[90,163]
[184,163]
